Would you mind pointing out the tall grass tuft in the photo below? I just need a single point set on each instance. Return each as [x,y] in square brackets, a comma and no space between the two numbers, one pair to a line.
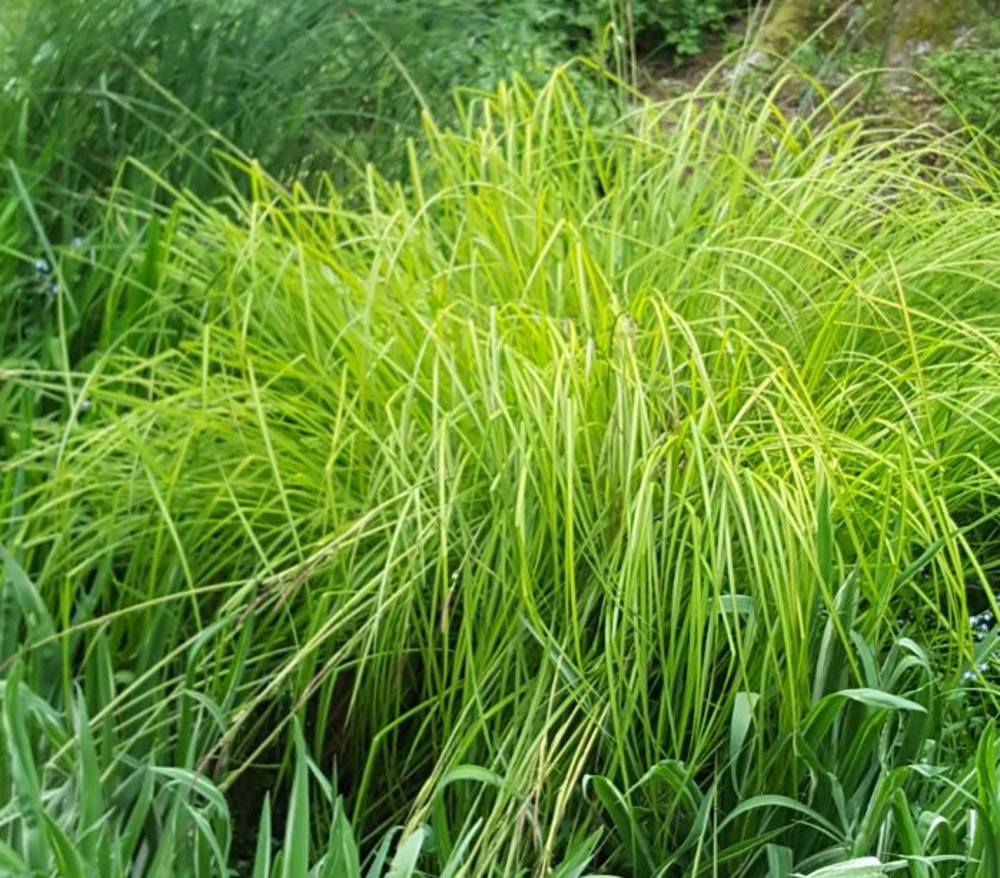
[131,102]
[549,462]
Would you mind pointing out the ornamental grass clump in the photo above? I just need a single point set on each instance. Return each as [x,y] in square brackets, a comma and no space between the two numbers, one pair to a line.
[109,101]
[541,462]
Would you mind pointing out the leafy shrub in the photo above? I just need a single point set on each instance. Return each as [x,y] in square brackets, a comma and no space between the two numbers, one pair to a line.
[969,79]
[678,27]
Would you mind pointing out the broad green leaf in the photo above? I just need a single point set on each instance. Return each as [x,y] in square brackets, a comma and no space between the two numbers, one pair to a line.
[910,845]
[456,855]
[262,850]
[678,779]
[779,861]
[68,860]
[404,864]
[831,660]
[10,862]
[342,860]
[474,773]
[295,861]
[138,815]
[622,816]
[825,548]
[861,867]
[740,604]
[879,699]
[19,600]
[743,709]
[88,769]
[192,781]
[27,791]
[578,858]
[987,835]
[757,803]
[381,856]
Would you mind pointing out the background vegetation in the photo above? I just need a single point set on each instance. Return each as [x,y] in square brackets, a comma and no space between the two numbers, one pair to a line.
[533,479]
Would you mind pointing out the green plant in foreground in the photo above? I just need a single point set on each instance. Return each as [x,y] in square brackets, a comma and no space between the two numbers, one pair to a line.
[70,812]
[550,463]
[874,758]
[885,785]
[76,805]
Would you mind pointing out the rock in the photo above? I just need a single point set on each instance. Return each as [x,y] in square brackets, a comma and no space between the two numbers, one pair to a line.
[905,29]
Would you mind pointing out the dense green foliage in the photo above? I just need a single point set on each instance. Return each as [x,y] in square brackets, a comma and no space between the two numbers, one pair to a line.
[969,78]
[299,86]
[568,493]
[678,28]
